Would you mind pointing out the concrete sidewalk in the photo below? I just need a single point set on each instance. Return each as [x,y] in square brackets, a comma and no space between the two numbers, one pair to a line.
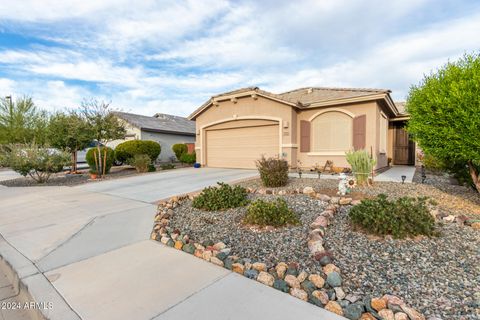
[88,252]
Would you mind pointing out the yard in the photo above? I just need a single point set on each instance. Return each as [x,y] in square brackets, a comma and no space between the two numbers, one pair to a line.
[436,276]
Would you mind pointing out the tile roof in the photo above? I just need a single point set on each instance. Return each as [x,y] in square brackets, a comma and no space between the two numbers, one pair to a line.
[160,122]
[401,106]
[306,96]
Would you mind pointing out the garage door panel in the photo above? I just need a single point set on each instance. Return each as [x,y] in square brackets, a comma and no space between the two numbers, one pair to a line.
[240,147]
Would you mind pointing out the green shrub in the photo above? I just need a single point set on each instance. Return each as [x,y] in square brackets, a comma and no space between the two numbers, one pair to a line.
[222,197]
[400,218]
[362,165]
[151,168]
[141,162]
[37,162]
[188,158]
[125,151]
[270,213]
[91,159]
[179,149]
[432,163]
[167,166]
[273,172]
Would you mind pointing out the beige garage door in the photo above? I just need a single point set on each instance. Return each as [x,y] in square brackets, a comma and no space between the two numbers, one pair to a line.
[240,147]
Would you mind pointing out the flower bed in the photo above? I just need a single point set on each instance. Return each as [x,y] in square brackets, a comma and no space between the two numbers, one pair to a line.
[291,259]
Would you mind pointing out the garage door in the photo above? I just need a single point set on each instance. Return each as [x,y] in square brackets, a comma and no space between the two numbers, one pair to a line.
[240,147]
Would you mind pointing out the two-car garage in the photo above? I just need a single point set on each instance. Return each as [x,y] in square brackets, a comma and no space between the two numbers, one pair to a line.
[239,143]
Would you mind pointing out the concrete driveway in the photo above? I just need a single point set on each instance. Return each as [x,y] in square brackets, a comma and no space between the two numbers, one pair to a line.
[156,186]
[87,250]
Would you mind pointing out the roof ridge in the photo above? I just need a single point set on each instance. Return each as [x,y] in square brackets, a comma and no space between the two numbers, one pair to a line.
[337,89]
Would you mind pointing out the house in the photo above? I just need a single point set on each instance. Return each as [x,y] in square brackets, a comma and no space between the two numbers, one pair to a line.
[306,126]
[165,129]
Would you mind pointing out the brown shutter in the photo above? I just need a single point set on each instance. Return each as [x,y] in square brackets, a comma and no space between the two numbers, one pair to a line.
[359,132]
[304,136]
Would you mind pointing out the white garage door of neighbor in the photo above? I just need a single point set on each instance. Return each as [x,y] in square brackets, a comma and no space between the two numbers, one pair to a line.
[240,147]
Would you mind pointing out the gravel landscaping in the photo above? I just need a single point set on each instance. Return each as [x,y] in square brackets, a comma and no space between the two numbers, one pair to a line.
[286,244]
[437,276]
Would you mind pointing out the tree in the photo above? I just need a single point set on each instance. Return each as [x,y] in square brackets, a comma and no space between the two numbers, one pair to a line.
[445,114]
[70,132]
[104,124]
[21,122]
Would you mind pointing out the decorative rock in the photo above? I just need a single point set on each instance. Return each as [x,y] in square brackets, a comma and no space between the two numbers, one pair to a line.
[321,295]
[367,316]
[292,270]
[281,268]
[251,274]
[339,293]
[292,281]
[188,248]
[299,293]
[302,276]
[324,258]
[334,200]
[475,225]
[412,313]
[308,286]
[322,197]
[178,244]
[334,307]
[216,261]
[331,268]
[266,278]
[401,316]
[352,298]
[393,300]
[164,240]
[317,280]
[219,246]
[320,221]
[170,243]
[355,202]
[344,201]
[207,243]
[281,285]
[238,268]
[221,255]
[228,262]
[378,304]
[449,218]
[198,253]
[353,311]
[334,279]
[207,255]
[308,190]
[386,314]
[259,266]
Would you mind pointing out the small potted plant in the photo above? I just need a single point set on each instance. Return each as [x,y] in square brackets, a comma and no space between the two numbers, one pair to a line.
[93,174]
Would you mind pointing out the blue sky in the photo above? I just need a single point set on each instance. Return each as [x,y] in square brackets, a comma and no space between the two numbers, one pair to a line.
[171,56]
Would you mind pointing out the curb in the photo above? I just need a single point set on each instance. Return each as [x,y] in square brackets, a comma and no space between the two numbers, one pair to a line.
[33,287]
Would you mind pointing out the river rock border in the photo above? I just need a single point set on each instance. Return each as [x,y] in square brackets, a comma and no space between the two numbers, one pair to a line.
[324,290]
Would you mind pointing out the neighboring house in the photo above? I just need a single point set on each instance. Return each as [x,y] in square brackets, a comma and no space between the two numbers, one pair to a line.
[163,128]
[307,126]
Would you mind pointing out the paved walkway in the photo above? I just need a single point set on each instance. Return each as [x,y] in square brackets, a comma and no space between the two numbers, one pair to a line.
[86,250]
[395,173]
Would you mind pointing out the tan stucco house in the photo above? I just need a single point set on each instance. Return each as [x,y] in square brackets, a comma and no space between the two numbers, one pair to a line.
[306,126]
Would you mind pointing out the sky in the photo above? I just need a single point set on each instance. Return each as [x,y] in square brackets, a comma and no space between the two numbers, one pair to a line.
[171,56]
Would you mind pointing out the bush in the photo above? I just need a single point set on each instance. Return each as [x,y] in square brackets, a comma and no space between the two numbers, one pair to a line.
[400,218]
[151,168]
[432,163]
[167,166]
[127,150]
[91,159]
[188,158]
[37,162]
[220,198]
[179,149]
[141,162]
[362,165]
[270,213]
[273,172]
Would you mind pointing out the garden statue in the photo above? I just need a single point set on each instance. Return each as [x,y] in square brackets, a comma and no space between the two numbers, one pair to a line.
[342,184]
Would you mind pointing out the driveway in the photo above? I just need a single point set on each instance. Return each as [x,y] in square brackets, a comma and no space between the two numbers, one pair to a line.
[86,249]
[153,187]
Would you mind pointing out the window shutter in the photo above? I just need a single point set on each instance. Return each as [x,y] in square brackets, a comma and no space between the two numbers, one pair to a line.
[359,132]
[304,136]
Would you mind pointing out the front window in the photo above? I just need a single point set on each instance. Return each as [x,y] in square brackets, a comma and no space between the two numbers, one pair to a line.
[332,131]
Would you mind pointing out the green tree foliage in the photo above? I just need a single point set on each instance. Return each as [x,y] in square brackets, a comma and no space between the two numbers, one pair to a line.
[179,149]
[70,132]
[33,160]
[127,150]
[445,114]
[105,125]
[22,122]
